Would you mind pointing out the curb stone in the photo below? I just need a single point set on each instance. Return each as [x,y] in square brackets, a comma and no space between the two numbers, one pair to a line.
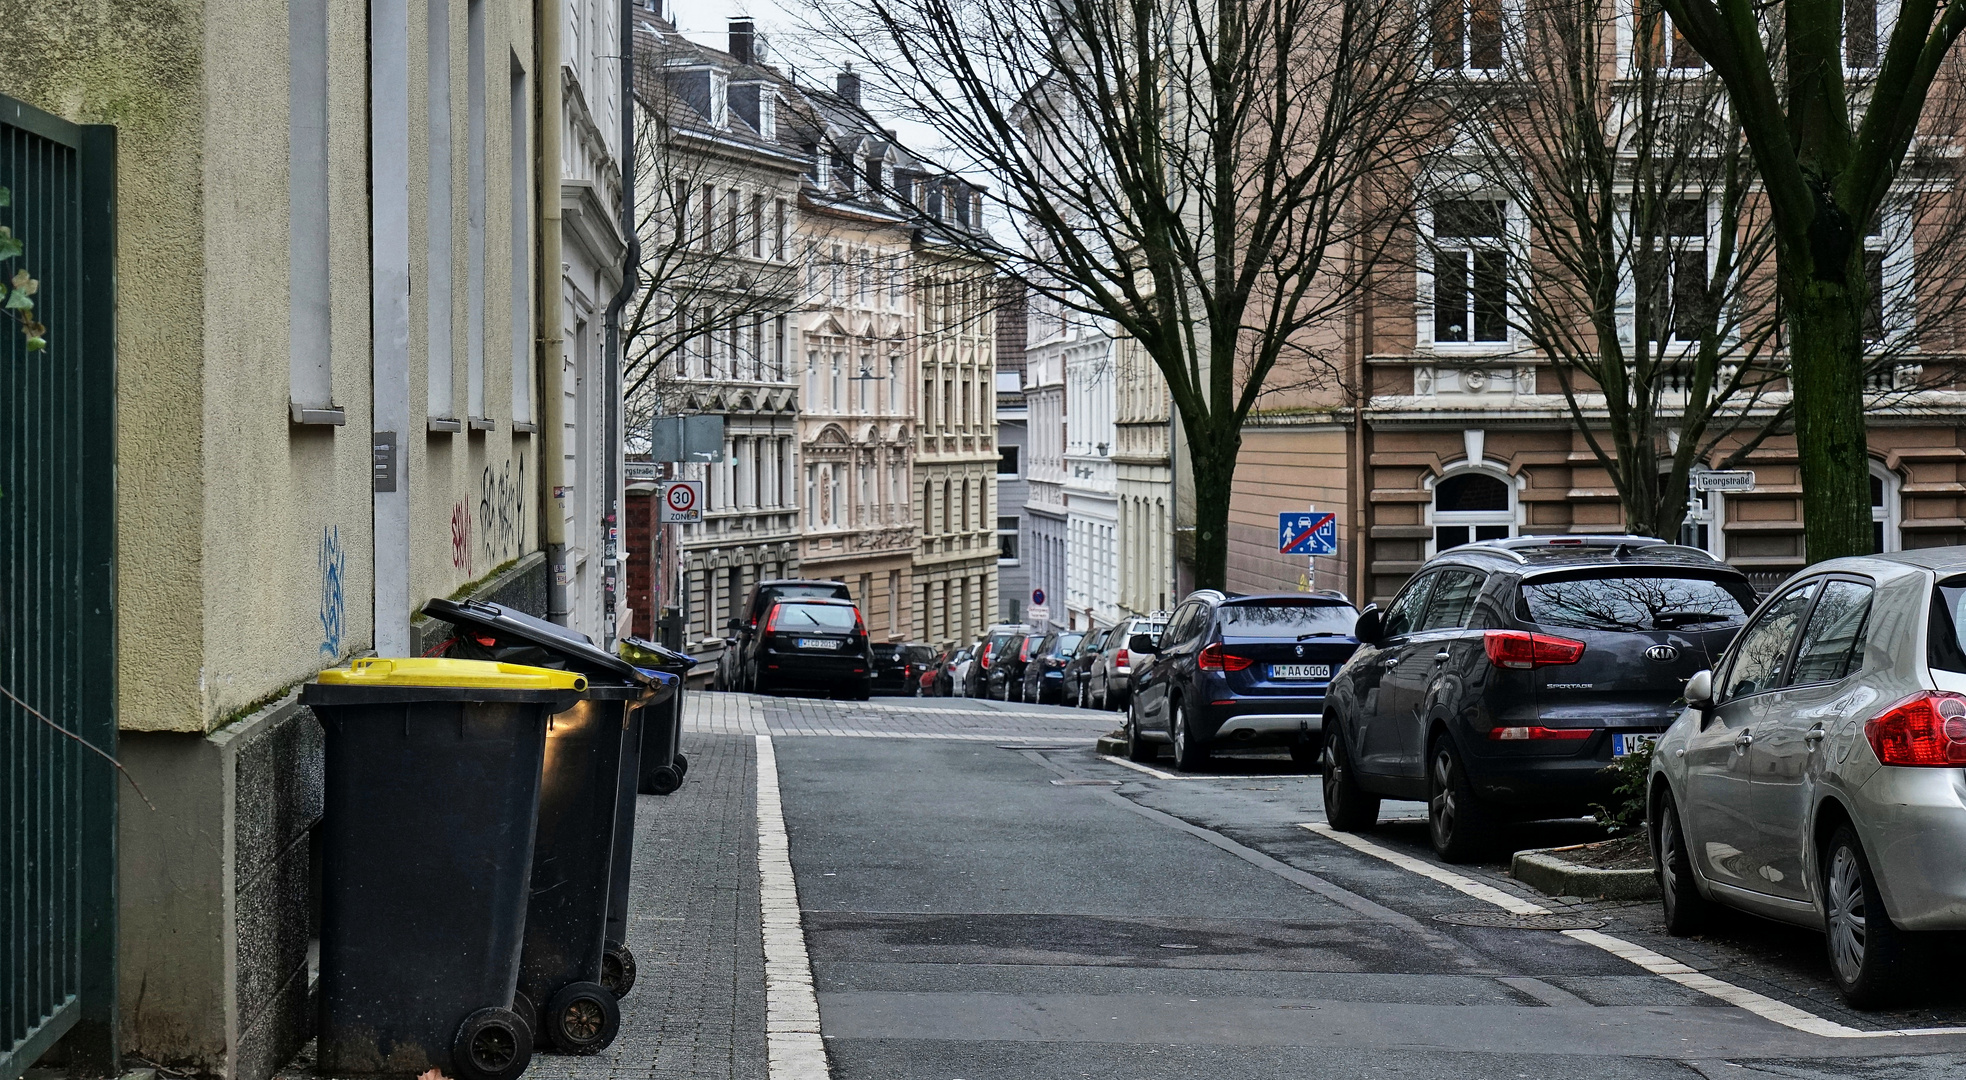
[1111,744]
[1555,876]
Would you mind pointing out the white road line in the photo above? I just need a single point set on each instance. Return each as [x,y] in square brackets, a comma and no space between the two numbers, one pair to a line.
[793,1047]
[1657,963]
[1514,905]
[1137,767]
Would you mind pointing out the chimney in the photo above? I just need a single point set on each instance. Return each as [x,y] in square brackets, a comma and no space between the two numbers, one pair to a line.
[847,85]
[742,35]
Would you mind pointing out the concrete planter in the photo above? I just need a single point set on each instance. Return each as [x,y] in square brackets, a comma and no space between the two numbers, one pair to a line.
[1549,872]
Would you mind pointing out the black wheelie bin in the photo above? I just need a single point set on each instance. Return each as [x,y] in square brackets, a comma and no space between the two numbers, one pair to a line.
[432,772]
[663,765]
[571,975]
[618,963]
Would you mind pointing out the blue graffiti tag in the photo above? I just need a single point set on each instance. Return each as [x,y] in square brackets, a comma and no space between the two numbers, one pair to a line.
[331,597]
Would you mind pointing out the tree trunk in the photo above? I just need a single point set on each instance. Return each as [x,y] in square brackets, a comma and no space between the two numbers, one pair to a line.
[1212,464]
[1827,377]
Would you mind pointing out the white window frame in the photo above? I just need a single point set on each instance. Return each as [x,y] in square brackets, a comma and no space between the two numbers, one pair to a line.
[1900,300]
[1511,517]
[1628,66]
[1515,238]
[1891,514]
[1628,278]
[1511,38]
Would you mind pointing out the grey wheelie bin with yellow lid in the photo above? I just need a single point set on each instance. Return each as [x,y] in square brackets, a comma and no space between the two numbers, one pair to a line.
[571,973]
[432,771]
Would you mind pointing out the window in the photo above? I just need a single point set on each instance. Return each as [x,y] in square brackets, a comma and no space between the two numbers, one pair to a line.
[778,237]
[757,226]
[1883,509]
[1761,658]
[1658,43]
[1007,539]
[1832,642]
[1472,506]
[1452,601]
[1470,271]
[1675,271]
[1888,280]
[1593,600]
[1467,35]
[1860,33]
[1007,460]
[1404,612]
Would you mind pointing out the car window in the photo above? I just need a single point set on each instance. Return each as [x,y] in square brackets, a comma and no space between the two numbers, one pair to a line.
[1834,635]
[1764,646]
[1181,627]
[1627,601]
[1453,600]
[1286,618]
[1945,634]
[1405,611]
[826,618]
[1066,643]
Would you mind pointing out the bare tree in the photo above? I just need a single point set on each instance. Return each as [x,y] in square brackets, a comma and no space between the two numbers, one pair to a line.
[1197,174]
[1828,147]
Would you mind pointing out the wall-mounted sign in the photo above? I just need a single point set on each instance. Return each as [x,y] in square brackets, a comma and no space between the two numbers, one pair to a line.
[382,455]
[1724,480]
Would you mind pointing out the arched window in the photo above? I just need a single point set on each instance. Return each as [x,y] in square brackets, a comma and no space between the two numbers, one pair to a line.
[1470,506]
[1884,509]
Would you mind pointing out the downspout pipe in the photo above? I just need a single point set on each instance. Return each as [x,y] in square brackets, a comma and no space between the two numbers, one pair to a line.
[614,438]
[547,17]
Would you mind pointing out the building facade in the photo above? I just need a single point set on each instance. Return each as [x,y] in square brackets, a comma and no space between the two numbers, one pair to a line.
[1044,535]
[1142,432]
[1013,579]
[1086,350]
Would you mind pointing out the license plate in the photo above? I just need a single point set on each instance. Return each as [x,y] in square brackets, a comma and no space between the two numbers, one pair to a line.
[818,643]
[1300,671]
[1622,745]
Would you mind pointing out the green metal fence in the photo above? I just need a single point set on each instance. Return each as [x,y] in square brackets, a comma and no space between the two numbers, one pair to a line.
[57,598]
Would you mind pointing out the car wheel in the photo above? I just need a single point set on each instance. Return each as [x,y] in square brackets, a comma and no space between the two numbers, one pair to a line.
[1456,821]
[1308,753]
[1868,956]
[1190,753]
[1347,807]
[1685,909]
[1138,749]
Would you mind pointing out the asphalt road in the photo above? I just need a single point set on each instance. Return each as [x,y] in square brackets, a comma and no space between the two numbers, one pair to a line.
[981,901]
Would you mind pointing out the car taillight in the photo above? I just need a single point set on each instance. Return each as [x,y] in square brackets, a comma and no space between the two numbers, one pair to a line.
[1214,659]
[859,626]
[1520,649]
[1024,652]
[1926,729]
[1517,734]
[771,620]
[984,659]
[1119,658]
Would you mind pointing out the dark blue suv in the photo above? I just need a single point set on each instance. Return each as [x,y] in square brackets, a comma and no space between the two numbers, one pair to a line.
[1507,674]
[1238,671]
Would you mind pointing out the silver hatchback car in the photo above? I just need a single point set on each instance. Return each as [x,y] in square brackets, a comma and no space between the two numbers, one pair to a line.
[1818,774]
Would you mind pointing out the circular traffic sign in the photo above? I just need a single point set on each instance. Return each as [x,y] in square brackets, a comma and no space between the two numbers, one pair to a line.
[1037,596]
[681,498]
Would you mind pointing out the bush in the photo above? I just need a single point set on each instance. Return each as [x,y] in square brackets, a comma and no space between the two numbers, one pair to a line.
[1627,811]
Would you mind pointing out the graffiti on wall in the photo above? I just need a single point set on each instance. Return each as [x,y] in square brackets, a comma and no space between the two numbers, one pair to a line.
[502,512]
[461,537]
[332,563]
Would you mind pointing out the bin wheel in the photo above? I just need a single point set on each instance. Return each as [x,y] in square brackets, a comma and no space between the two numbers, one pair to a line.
[682,765]
[582,1018]
[528,1012]
[618,971]
[492,1044]
[664,779]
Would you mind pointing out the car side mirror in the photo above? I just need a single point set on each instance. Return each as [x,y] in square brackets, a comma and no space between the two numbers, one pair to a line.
[1699,691]
[1371,625]
[1142,643]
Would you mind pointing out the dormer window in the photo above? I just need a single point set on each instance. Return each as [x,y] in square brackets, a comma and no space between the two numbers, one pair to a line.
[874,175]
[822,170]
[962,206]
[719,98]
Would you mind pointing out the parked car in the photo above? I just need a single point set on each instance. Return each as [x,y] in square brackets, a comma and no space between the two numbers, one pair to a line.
[1004,680]
[1507,674]
[1044,674]
[1238,671]
[811,643]
[959,668]
[731,670]
[937,667]
[898,664]
[1106,684]
[1078,670]
[975,681]
[1814,776]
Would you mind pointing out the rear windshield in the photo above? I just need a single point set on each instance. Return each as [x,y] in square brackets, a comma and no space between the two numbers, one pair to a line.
[1066,643]
[1287,618]
[1151,629]
[920,654]
[830,618]
[825,591]
[1636,602]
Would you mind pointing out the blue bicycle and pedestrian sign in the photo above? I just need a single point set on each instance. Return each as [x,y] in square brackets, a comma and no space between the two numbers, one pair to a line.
[1312,533]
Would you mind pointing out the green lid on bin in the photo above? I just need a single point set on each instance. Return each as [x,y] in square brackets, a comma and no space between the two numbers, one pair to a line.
[452,674]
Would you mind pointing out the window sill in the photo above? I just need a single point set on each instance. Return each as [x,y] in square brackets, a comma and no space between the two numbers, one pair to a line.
[301,416]
[444,425]
[524,427]
[483,423]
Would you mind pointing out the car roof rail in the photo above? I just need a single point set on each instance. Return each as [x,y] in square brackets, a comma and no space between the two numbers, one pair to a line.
[1519,547]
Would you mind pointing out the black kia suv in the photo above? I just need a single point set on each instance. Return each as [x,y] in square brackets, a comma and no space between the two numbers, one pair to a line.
[1237,671]
[1507,674]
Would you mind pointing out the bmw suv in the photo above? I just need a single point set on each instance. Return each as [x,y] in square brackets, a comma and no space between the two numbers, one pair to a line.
[1507,674]
[1237,671]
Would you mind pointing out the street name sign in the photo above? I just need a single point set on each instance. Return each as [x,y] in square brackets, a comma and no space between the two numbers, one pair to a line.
[1311,533]
[682,502]
[1724,480]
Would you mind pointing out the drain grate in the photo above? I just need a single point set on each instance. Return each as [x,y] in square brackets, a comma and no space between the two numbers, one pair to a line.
[1505,920]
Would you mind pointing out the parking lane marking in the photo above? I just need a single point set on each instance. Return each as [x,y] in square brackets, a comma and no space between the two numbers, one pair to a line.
[1137,767]
[793,1047]
[1658,964]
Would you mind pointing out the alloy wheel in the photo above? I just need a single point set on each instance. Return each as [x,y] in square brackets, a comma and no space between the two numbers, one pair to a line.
[1442,811]
[1848,927]
[1668,863]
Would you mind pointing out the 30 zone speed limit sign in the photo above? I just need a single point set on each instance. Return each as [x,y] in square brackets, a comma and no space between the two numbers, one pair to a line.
[682,501]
